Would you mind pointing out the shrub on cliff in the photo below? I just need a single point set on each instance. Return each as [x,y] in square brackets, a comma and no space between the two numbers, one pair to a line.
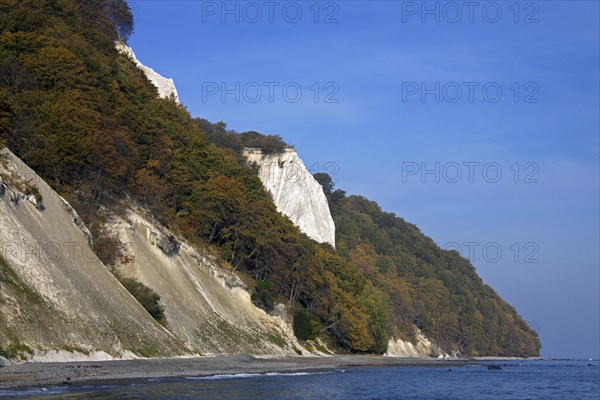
[264,294]
[147,297]
[269,144]
[303,326]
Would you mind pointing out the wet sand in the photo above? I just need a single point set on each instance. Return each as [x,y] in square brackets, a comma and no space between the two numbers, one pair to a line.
[29,375]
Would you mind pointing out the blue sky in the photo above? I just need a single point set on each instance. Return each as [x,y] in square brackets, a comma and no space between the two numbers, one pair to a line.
[528,102]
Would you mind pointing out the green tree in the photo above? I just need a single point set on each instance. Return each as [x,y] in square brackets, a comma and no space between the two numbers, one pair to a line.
[325,181]
[120,15]
[264,294]
[303,325]
[147,297]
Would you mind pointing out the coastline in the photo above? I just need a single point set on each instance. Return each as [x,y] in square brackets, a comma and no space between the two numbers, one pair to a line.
[121,372]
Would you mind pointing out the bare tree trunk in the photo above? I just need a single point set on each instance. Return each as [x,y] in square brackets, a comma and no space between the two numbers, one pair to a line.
[293,293]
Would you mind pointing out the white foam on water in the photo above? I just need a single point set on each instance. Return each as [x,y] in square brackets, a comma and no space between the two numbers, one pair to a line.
[33,392]
[237,376]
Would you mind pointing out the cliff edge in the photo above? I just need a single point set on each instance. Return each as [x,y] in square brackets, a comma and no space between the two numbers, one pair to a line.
[166,86]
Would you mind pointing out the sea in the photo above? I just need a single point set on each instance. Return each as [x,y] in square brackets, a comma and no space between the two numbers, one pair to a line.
[516,380]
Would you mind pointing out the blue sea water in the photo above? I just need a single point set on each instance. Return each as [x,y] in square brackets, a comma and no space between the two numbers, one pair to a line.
[518,380]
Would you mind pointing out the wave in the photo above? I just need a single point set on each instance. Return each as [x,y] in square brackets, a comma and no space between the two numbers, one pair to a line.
[33,392]
[255,375]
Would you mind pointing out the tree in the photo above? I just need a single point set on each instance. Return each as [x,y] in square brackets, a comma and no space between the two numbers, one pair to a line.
[325,181]
[147,297]
[7,115]
[121,17]
[303,325]
[55,67]
[269,144]
[264,294]
[13,75]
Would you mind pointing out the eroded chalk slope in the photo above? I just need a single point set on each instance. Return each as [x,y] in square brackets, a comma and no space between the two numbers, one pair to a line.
[57,299]
[207,306]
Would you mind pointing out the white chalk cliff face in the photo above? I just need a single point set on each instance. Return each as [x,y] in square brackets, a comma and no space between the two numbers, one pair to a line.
[208,308]
[58,302]
[423,348]
[165,86]
[295,192]
[56,296]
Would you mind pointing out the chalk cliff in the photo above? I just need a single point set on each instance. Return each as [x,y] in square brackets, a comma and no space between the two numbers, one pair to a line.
[57,300]
[166,86]
[60,302]
[423,348]
[207,307]
[295,192]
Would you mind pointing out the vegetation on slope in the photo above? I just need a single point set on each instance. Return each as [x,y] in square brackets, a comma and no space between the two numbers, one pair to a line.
[87,120]
[437,290]
[147,297]
[218,134]
[11,285]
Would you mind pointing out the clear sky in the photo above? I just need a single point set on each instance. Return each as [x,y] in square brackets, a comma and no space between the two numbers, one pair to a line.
[420,108]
